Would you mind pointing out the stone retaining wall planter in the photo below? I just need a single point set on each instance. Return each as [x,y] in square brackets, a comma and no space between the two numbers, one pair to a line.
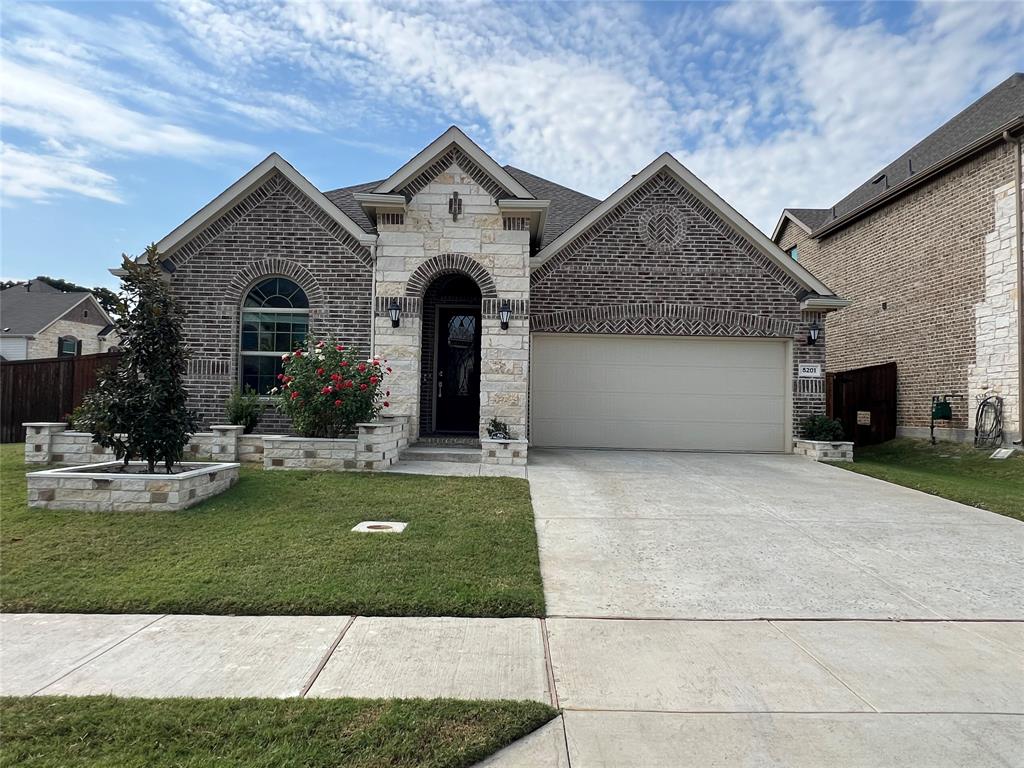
[824,450]
[375,447]
[507,452]
[79,488]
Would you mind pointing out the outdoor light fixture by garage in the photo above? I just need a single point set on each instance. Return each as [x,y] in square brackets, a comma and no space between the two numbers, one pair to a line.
[504,314]
[394,312]
[813,333]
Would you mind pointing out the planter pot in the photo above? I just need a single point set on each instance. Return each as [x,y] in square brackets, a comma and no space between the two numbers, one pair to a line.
[824,450]
[94,488]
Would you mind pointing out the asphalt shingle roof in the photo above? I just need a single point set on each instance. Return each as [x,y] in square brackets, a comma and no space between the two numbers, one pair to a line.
[1001,105]
[812,218]
[28,312]
[567,205]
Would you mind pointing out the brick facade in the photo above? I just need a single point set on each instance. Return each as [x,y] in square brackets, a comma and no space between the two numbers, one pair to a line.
[274,231]
[687,274]
[662,262]
[929,275]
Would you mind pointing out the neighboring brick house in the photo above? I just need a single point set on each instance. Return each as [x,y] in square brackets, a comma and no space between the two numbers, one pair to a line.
[928,252]
[40,321]
[656,318]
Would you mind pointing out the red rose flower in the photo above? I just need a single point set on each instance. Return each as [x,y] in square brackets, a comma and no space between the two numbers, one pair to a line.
[388,393]
[294,395]
[362,386]
[374,379]
[344,363]
[326,391]
[389,370]
[280,377]
[361,367]
[387,404]
[376,362]
[337,403]
[319,371]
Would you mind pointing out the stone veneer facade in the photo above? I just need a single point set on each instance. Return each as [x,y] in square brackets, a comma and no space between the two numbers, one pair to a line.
[932,277]
[429,244]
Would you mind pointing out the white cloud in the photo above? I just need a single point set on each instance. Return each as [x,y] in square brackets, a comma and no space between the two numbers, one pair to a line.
[40,176]
[772,104]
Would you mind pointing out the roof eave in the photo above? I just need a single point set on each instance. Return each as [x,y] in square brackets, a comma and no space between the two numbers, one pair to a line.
[907,184]
[823,303]
[785,216]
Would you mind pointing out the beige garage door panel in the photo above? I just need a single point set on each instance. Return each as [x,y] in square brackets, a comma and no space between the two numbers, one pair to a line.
[658,393]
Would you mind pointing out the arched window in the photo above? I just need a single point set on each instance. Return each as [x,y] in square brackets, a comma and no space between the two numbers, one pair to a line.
[275,320]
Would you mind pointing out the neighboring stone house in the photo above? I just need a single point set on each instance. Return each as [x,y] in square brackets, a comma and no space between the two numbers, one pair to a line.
[656,318]
[928,252]
[40,321]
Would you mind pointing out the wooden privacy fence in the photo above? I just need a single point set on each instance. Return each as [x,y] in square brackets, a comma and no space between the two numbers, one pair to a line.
[864,401]
[45,390]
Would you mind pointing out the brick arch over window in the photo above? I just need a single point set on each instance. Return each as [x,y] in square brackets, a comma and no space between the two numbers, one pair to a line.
[255,271]
[447,264]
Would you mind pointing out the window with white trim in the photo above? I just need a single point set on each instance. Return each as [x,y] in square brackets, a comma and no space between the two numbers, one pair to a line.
[275,320]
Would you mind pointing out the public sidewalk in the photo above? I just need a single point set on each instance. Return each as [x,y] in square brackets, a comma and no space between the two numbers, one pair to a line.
[634,692]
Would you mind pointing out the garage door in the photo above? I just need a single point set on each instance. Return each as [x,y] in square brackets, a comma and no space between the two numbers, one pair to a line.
[659,393]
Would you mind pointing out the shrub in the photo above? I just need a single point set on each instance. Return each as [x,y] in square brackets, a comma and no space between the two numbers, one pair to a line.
[326,389]
[498,430]
[244,407]
[821,427]
[138,409]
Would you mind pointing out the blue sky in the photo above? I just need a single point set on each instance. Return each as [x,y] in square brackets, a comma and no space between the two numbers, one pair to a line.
[119,120]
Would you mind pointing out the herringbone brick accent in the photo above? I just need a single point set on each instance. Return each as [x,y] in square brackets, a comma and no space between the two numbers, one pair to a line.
[454,156]
[668,319]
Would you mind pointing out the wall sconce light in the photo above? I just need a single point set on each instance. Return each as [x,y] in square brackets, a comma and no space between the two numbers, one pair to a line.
[394,312]
[504,314]
[813,333]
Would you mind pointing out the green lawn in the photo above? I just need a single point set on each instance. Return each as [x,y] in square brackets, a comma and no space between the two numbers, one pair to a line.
[280,543]
[951,470]
[45,732]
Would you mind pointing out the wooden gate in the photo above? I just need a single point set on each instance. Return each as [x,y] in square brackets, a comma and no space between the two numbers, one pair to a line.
[45,390]
[864,401]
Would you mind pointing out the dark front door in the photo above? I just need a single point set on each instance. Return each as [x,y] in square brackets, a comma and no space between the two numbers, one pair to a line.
[457,393]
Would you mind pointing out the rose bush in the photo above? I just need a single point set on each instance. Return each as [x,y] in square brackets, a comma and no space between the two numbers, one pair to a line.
[326,389]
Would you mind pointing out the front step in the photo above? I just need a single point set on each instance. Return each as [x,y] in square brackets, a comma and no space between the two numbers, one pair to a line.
[419,452]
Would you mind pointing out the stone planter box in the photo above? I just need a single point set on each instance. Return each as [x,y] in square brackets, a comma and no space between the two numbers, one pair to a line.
[507,452]
[78,488]
[375,447]
[824,450]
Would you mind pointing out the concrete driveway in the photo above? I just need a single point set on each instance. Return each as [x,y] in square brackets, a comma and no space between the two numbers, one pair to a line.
[734,610]
[728,536]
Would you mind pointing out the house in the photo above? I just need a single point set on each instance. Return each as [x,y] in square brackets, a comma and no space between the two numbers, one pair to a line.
[928,250]
[657,318]
[40,321]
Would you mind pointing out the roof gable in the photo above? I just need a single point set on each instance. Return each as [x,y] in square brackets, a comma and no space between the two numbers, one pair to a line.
[668,164]
[273,164]
[451,146]
[807,219]
[27,313]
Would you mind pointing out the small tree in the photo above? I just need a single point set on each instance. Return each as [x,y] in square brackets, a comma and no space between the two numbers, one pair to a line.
[139,408]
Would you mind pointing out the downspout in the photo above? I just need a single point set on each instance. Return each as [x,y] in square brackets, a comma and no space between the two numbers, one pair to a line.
[1019,213]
